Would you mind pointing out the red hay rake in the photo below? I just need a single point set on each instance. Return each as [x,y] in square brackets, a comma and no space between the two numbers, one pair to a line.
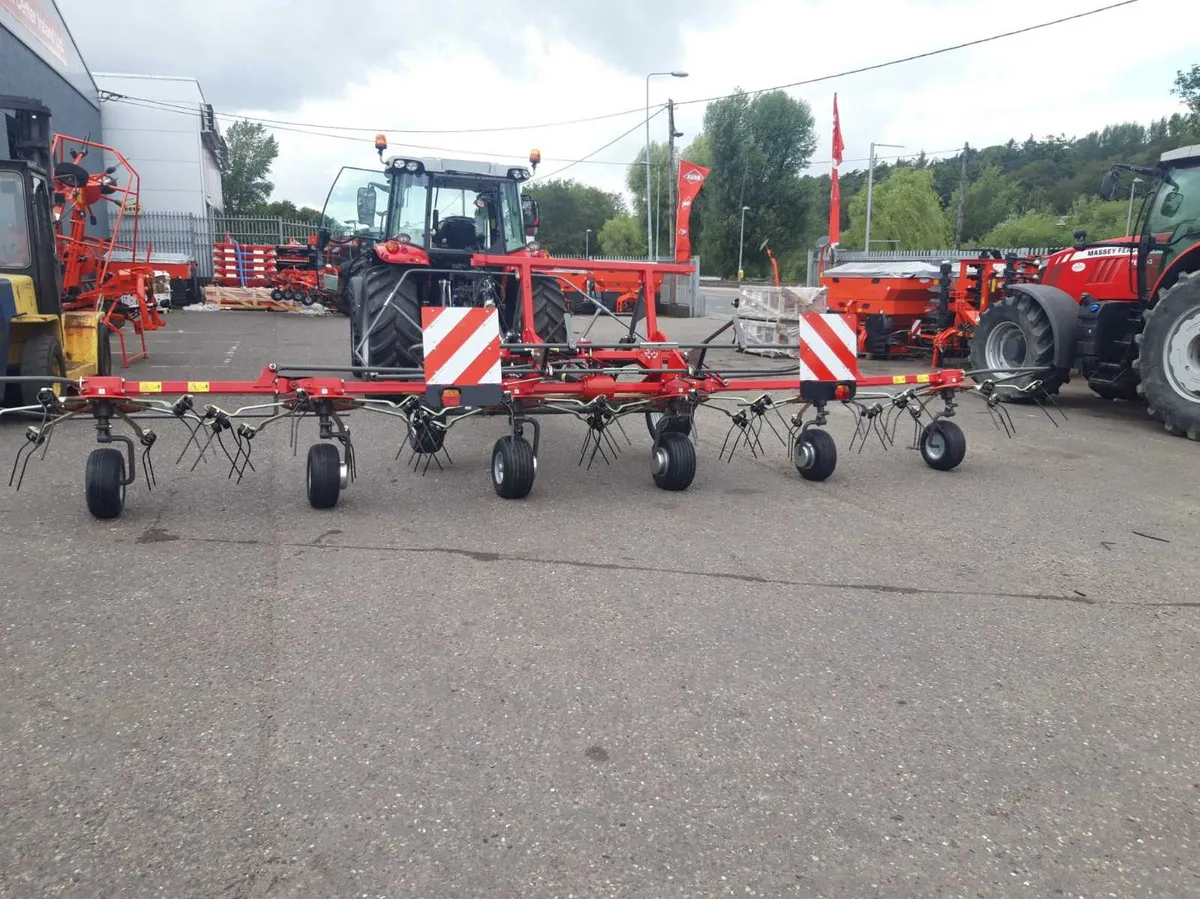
[472,369]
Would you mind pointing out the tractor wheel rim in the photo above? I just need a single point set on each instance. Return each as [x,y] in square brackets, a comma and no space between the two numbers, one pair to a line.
[660,461]
[343,475]
[1181,356]
[935,444]
[1005,347]
[498,468]
[806,454]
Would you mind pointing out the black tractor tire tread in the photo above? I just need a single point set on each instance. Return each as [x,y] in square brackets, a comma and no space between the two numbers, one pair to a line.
[41,355]
[1039,341]
[549,310]
[324,478]
[102,479]
[681,462]
[1179,416]
[395,341]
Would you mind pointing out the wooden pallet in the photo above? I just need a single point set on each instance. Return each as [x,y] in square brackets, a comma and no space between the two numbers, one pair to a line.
[256,298]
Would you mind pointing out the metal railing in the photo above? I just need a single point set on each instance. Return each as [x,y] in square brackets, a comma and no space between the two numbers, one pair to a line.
[934,257]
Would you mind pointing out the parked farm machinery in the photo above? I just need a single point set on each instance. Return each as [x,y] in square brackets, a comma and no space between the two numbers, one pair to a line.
[470,369]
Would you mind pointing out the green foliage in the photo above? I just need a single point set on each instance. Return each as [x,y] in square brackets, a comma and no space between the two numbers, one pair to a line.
[660,197]
[1030,229]
[244,184]
[287,210]
[756,149]
[905,210]
[623,236]
[990,200]
[567,209]
[1187,88]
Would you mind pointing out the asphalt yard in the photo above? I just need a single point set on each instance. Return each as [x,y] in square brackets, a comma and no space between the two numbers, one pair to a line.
[898,682]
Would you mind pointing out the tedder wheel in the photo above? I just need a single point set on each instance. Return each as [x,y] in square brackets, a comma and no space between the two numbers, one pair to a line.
[103,350]
[1168,363]
[670,425]
[815,454]
[104,482]
[513,467]
[325,479]
[1015,332]
[395,308]
[277,295]
[306,299]
[943,444]
[41,355]
[673,462]
[423,437]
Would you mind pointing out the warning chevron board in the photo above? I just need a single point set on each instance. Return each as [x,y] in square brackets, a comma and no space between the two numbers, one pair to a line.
[462,346]
[828,347]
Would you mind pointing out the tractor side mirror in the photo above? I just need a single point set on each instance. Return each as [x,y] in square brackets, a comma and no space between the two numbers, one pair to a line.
[366,206]
[1170,204]
[1108,185]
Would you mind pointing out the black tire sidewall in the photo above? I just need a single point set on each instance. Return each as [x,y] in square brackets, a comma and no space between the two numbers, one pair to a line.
[323,475]
[1025,312]
[1177,413]
[102,482]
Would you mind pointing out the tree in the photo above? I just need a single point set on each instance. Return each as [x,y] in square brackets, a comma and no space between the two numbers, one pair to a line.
[286,210]
[756,149]
[990,200]
[905,210]
[623,236]
[660,192]
[1187,88]
[244,170]
[567,209]
[1031,229]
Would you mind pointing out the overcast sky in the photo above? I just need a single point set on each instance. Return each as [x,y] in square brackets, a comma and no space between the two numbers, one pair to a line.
[390,65]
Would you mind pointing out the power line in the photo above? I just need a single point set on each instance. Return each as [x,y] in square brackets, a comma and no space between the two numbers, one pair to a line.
[623,134]
[284,124]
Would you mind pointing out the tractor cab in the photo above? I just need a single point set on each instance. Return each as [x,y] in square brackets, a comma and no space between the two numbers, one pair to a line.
[1169,218]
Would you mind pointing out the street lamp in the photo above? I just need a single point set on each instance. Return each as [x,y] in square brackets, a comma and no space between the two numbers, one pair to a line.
[870,187]
[742,240]
[587,243]
[649,232]
[1129,218]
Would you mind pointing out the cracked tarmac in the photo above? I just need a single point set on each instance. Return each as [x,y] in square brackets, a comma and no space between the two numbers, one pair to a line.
[898,683]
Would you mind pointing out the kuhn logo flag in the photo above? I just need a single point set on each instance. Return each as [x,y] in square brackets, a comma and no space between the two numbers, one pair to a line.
[691,179]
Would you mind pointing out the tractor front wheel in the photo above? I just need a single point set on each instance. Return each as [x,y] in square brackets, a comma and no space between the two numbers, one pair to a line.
[42,355]
[1015,333]
[1168,363]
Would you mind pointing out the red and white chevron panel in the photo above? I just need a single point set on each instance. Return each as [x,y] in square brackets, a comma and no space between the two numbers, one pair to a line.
[462,346]
[828,347]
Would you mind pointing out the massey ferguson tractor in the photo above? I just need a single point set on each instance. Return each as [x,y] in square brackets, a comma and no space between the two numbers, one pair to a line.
[411,231]
[1124,313]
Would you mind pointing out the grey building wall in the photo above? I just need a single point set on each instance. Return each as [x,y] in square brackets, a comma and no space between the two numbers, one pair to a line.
[23,73]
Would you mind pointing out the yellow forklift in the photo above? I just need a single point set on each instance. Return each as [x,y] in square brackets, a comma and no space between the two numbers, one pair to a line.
[37,338]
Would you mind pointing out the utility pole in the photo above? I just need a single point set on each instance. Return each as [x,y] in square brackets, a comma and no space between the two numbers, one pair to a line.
[671,169]
[962,199]
[870,190]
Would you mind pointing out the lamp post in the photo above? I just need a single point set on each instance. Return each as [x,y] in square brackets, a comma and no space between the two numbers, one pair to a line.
[1129,218]
[587,243]
[870,190]
[741,241]
[649,233]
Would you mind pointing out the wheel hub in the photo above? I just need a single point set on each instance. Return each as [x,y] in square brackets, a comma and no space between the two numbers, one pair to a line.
[659,461]
[1005,347]
[935,444]
[805,455]
[343,475]
[1181,356]
[498,468]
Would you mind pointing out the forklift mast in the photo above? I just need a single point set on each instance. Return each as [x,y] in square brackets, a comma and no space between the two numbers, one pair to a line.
[26,131]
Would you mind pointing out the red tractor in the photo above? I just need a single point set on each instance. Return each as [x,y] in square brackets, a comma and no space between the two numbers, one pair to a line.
[410,233]
[1124,313]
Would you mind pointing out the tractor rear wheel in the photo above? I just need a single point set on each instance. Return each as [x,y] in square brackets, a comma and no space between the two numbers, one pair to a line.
[1015,333]
[1169,361]
[391,317]
[41,355]
[549,311]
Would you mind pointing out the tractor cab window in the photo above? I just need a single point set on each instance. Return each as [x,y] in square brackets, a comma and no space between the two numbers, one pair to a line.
[513,214]
[1174,218]
[467,214]
[14,227]
[410,200]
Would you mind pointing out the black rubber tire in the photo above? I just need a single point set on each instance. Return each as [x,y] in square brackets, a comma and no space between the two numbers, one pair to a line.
[104,358]
[815,455]
[426,438]
[102,482]
[513,467]
[323,475]
[395,340]
[676,425]
[673,461]
[277,295]
[943,445]
[549,311]
[1026,314]
[41,355]
[306,299]
[1168,403]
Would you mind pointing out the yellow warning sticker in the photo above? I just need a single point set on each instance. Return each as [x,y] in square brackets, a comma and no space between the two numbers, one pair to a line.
[899,379]
[150,387]
[922,379]
[197,386]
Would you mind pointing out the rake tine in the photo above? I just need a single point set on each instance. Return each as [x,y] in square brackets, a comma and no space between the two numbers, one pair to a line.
[26,450]
[621,427]
[879,433]
[203,449]
[771,425]
[148,470]
[24,465]
[584,446]
[612,444]
[446,452]
[192,431]
[1045,411]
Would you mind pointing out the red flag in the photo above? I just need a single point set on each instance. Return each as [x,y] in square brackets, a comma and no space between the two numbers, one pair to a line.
[835,193]
[691,179]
